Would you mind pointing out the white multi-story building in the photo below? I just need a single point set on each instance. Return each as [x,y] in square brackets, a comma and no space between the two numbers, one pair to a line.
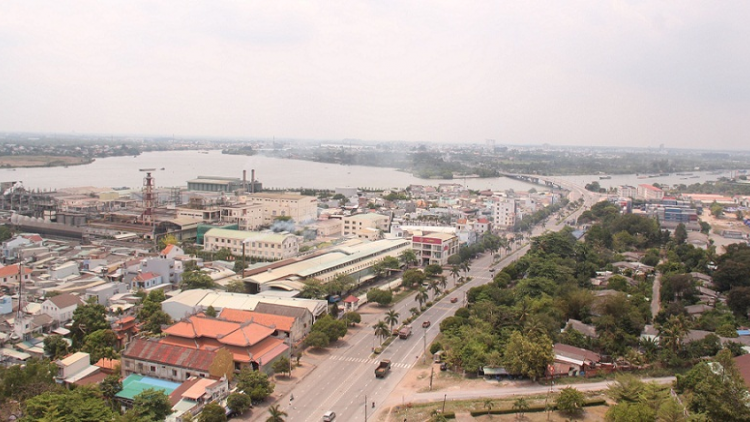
[247,216]
[61,307]
[649,192]
[503,212]
[299,207]
[363,225]
[626,191]
[434,248]
[264,245]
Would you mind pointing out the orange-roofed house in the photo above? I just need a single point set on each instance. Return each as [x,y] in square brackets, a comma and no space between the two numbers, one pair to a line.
[171,251]
[11,274]
[284,326]
[250,343]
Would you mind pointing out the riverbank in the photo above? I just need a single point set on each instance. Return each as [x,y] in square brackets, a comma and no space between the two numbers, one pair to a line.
[31,161]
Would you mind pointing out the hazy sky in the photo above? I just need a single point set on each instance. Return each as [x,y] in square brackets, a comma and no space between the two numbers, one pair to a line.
[635,73]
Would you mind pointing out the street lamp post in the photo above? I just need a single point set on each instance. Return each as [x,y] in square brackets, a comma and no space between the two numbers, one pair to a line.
[424,348]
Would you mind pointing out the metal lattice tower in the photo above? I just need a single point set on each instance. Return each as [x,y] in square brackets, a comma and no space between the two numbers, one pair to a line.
[148,197]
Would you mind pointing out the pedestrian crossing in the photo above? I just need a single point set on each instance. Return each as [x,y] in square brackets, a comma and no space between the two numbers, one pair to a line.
[368,361]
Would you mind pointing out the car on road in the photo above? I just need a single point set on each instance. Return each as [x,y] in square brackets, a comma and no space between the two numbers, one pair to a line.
[492,270]
[454,299]
[426,324]
[329,416]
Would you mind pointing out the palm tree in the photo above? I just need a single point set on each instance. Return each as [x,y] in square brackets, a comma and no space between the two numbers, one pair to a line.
[520,406]
[488,405]
[391,318]
[435,287]
[672,332]
[422,296]
[277,415]
[465,266]
[381,330]
[455,272]
[443,281]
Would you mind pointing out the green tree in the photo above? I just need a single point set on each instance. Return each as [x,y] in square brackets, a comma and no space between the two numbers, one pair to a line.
[212,412]
[332,328]
[671,411]
[167,240]
[110,386]
[680,234]
[101,344]
[408,257]
[381,330]
[276,414]
[19,383]
[152,404]
[80,404]
[316,340]
[281,366]
[352,318]
[55,347]
[422,296]
[521,406]
[237,286]
[196,279]
[211,311]
[528,355]
[630,412]
[391,318]
[488,404]
[570,401]
[381,297]
[156,321]
[313,289]
[87,319]
[5,233]
[255,384]
[432,270]
[412,278]
[239,402]
[716,209]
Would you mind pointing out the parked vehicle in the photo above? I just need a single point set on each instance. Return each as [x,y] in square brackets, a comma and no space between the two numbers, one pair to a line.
[383,368]
[426,324]
[329,416]
[404,332]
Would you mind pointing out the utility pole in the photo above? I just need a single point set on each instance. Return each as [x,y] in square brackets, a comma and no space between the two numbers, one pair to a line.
[365,407]
[424,348]
[445,397]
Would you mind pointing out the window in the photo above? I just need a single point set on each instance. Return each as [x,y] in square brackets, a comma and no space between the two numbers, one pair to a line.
[153,368]
[174,372]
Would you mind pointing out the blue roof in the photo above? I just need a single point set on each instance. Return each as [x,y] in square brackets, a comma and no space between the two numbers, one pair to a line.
[135,384]
[743,332]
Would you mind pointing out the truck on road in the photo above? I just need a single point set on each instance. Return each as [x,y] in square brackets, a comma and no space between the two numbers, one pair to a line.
[404,332]
[383,368]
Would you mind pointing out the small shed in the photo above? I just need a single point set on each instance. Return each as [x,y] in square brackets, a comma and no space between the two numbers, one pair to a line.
[351,303]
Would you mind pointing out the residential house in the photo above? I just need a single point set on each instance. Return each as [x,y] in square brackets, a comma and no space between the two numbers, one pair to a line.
[364,225]
[148,281]
[61,307]
[74,368]
[11,274]
[284,326]
[103,292]
[574,361]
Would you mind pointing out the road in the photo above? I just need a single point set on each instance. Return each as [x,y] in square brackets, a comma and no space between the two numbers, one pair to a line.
[345,382]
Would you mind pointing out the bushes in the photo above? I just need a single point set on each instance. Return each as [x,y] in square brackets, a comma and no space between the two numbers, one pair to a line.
[533,408]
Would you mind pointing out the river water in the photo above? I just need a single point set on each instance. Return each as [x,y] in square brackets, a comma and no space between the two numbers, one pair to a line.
[175,168]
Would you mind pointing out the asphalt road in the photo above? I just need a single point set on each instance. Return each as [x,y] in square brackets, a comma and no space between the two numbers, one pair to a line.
[345,382]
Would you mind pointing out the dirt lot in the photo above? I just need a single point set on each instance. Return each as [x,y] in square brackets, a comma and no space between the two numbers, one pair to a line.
[418,380]
[718,225]
[40,161]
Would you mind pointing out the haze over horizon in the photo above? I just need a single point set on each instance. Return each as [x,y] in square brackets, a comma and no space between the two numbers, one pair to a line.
[620,73]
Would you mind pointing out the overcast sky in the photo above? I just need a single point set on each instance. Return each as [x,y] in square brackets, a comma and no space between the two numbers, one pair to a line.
[637,73]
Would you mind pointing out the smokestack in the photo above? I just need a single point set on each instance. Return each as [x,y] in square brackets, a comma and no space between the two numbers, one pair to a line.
[244,180]
[252,181]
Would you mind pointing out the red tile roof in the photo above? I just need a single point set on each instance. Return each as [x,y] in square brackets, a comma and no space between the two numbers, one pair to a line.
[12,270]
[280,322]
[167,250]
[167,354]
[145,276]
[351,299]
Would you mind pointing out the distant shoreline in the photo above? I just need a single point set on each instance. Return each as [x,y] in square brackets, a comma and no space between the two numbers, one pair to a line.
[33,161]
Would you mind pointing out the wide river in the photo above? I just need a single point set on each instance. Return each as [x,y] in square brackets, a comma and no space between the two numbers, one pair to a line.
[181,166]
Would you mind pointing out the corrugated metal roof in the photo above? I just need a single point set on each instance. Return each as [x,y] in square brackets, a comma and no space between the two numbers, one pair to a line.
[167,354]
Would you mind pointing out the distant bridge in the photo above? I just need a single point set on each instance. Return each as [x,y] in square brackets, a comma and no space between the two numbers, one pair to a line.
[537,180]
